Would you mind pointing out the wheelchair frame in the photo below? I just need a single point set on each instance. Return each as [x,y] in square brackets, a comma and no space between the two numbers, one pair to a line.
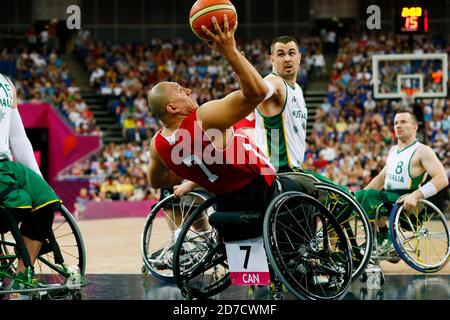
[146,237]
[214,256]
[70,279]
[359,264]
[396,251]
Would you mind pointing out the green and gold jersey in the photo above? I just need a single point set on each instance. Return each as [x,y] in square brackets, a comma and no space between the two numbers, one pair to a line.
[398,172]
[282,137]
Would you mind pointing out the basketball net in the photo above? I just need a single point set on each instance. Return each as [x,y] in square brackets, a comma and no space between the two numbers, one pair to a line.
[408,96]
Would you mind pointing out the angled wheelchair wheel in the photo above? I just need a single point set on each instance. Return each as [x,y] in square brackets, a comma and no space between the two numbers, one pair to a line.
[350,215]
[353,220]
[53,267]
[162,226]
[200,264]
[307,248]
[421,237]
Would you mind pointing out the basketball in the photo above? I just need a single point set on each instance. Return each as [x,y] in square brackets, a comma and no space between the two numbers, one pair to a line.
[203,10]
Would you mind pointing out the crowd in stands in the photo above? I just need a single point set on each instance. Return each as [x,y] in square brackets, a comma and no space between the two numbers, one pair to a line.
[117,173]
[123,73]
[352,132]
[40,75]
[351,135]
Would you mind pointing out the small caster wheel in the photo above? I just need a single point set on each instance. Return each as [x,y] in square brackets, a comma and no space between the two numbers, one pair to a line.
[380,295]
[382,279]
[187,295]
[144,270]
[363,277]
[363,294]
[76,296]
[278,296]
[251,292]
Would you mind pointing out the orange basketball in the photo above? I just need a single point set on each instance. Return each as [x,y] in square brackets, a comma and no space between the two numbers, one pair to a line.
[203,10]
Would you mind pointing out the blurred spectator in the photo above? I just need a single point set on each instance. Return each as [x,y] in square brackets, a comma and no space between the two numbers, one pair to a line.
[80,203]
[41,75]
[111,188]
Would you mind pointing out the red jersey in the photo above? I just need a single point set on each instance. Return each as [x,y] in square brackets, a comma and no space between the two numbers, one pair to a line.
[190,153]
[245,123]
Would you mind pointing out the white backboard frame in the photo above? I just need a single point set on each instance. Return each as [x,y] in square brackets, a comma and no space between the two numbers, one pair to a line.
[400,77]
[376,58]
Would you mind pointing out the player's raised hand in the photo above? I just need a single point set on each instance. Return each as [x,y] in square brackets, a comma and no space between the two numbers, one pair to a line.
[222,40]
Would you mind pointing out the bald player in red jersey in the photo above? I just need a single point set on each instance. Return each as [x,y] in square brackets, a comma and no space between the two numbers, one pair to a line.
[200,144]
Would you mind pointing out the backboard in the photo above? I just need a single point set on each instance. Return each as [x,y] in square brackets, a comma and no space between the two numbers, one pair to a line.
[397,76]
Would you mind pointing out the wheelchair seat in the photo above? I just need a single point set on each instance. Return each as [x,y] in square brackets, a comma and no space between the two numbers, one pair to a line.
[237,225]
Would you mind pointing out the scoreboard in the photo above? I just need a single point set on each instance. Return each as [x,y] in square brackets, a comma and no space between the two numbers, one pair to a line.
[412,19]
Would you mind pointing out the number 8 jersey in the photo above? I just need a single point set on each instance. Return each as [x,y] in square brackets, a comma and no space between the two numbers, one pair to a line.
[398,163]
[190,153]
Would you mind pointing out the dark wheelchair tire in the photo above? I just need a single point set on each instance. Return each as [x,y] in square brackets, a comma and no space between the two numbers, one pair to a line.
[78,238]
[277,263]
[146,237]
[359,263]
[46,258]
[361,253]
[183,278]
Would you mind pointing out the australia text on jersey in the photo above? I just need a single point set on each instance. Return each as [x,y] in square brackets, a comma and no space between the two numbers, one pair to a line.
[249,154]
[6,103]
[6,89]
[395,177]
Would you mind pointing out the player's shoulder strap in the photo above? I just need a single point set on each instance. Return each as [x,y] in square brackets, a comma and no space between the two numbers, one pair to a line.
[393,148]
[5,78]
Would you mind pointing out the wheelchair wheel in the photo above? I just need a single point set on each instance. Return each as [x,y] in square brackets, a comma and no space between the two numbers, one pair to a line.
[353,221]
[161,230]
[48,269]
[200,264]
[421,237]
[307,248]
[350,215]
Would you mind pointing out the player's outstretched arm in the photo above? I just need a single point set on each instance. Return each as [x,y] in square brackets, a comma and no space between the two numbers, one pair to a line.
[275,103]
[223,113]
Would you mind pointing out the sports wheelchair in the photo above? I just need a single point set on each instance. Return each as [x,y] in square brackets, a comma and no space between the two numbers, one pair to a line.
[421,237]
[161,229]
[59,268]
[307,250]
[351,217]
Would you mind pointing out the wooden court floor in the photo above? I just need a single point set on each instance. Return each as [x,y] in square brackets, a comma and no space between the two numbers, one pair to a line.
[113,246]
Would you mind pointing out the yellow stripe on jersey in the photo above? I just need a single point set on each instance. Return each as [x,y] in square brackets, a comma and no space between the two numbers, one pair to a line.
[286,140]
[266,137]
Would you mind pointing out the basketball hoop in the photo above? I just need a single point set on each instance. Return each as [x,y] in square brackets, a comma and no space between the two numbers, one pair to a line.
[409,95]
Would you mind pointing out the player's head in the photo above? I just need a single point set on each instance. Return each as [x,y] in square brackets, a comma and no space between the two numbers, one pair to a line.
[285,56]
[405,125]
[169,99]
